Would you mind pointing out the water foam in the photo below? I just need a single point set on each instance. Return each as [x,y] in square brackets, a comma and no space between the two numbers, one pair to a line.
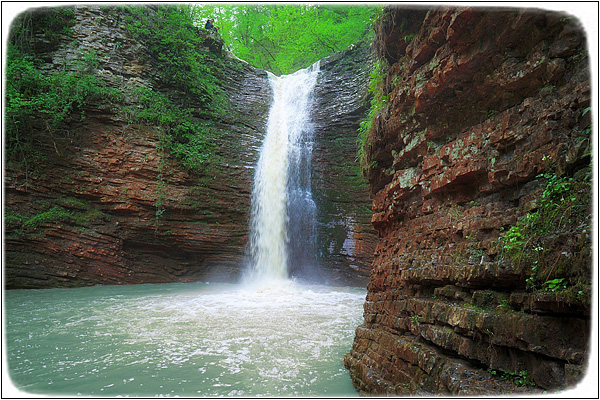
[287,129]
[184,339]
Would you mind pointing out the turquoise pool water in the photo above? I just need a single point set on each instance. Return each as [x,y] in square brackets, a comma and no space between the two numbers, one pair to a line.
[284,339]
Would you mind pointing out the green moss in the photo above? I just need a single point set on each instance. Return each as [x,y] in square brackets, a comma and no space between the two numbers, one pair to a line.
[537,241]
[379,101]
[54,214]
[72,202]
[67,210]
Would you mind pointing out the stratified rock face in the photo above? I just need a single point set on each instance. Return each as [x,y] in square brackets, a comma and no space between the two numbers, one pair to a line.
[346,239]
[110,174]
[480,103]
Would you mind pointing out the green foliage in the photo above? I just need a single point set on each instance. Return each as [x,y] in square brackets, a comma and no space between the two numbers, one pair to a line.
[184,63]
[56,213]
[19,223]
[176,44]
[68,210]
[378,102]
[555,285]
[284,38]
[520,379]
[51,23]
[504,305]
[39,101]
[513,239]
[563,207]
[182,136]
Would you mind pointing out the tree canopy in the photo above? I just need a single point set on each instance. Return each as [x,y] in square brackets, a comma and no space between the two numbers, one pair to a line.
[283,38]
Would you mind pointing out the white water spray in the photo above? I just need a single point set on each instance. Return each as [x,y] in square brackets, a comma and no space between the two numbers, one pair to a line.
[288,125]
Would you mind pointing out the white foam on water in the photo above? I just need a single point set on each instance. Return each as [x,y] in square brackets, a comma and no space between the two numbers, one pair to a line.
[286,339]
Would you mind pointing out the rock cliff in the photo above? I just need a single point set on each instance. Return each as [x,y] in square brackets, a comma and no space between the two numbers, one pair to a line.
[487,116]
[107,204]
[346,237]
[110,172]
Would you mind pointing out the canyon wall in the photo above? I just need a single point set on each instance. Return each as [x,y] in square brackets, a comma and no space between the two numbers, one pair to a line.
[486,114]
[106,204]
[109,173]
[345,235]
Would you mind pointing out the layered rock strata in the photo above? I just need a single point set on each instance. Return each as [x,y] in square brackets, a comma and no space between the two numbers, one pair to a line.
[110,176]
[481,102]
[110,173]
[345,235]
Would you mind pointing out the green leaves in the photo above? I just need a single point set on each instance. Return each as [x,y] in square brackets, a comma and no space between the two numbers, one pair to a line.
[45,99]
[56,213]
[182,136]
[176,44]
[557,188]
[285,38]
[536,241]
[184,63]
[555,285]
[378,102]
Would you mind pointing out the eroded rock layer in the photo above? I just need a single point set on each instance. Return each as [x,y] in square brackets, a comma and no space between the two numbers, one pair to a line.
[107,205]
[110,173]
[481,102]
[345,235]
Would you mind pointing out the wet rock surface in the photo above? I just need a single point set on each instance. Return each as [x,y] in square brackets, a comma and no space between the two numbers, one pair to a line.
[481,103]
[345,235]
[109,175]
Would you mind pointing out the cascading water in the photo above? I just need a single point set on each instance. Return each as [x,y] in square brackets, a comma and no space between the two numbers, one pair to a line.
[282,225]
[279,338]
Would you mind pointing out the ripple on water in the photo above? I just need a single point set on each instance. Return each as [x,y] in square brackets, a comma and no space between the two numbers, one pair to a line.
[280,339]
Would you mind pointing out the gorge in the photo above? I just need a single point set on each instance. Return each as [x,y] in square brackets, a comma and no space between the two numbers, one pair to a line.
[472,233]
[110,179]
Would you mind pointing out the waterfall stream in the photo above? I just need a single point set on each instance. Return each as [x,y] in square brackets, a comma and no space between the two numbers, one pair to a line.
[271,336]
[282,224]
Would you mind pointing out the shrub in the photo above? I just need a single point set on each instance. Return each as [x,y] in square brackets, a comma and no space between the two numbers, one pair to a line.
[182,136]
[176,45]
[38,101]
[537,240]
[378,102]
[56,213]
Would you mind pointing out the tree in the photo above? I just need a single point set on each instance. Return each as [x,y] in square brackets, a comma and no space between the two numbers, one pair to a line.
[285,38]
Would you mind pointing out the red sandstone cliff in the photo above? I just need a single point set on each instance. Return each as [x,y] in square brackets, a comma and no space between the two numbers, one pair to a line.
[95,191]
[480,104]
[109,173]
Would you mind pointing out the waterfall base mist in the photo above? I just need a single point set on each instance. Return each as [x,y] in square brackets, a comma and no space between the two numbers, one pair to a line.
[191,339]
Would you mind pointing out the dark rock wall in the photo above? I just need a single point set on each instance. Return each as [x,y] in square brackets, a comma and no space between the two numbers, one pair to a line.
[480,103]
[346,238]
[106,174]
[109,170]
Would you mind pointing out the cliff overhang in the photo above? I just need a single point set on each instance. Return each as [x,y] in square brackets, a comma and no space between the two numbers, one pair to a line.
[484,120]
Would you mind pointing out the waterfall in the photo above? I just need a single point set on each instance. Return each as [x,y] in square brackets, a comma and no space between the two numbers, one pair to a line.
[282,221]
